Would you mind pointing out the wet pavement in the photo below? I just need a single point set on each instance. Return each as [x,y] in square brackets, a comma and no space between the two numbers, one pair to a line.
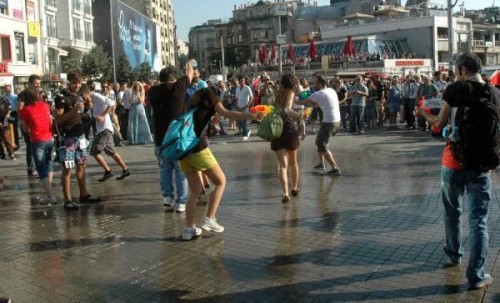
[373,234]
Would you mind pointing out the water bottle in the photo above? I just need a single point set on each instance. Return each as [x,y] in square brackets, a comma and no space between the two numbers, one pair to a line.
[194,63]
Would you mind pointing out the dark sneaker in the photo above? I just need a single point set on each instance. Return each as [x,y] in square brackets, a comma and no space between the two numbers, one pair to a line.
[488,279]
[319,166]
[5,300]
[449,261]
[107,175]
[70,205]
[90,199]
[333,172]
[124,174]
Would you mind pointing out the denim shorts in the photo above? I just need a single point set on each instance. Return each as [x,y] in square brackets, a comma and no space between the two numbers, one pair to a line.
[42,155]
[74,149]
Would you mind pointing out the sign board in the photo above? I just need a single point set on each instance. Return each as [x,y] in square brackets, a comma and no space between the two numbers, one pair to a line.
[488,43]
[280,39]
[34,29]
[280,9]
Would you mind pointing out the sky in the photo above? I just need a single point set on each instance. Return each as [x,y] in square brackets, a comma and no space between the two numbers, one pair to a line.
[190,13]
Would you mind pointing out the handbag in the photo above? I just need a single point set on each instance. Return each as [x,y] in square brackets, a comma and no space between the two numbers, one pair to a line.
[271,127]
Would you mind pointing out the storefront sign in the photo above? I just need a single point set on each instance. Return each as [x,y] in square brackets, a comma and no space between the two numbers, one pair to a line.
[412,63]
[34,29]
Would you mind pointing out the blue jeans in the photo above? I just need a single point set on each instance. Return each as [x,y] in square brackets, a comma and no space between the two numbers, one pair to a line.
[243,124]
[357,117]
[42,154]
[477,185]
[167,171]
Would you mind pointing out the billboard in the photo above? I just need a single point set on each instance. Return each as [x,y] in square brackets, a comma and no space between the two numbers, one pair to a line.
[134,36]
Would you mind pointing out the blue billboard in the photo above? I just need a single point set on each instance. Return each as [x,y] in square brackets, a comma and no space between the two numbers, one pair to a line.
[134,36]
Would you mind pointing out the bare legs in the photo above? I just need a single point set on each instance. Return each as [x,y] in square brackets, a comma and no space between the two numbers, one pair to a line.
[287,159]
[218,179]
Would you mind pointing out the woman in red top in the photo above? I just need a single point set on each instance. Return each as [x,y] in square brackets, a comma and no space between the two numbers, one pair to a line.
[38,122]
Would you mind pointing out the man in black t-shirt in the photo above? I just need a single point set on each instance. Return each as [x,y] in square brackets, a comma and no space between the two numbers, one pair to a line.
[167,102]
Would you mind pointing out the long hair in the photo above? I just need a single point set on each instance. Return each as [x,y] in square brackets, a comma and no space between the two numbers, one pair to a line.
[288,83]
[205,98]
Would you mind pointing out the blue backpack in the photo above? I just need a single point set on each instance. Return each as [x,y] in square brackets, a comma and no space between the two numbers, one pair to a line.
[180,138]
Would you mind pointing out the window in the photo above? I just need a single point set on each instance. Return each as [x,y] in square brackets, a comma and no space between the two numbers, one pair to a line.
[88,32]
[52,61]
[5,48]
[32,55]
[51,26]
[19,47]
[87,8]
[4,8]
[77,30]
[77,5]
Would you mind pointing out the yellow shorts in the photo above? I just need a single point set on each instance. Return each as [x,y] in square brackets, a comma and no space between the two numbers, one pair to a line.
[199,161]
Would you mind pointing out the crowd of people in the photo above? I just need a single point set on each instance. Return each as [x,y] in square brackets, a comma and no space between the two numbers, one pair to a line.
[143,113]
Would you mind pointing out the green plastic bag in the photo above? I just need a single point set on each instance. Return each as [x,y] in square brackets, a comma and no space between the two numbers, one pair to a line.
[270,127]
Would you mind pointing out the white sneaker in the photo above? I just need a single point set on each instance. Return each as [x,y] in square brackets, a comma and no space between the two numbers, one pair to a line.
[212,225]
[191,232]
[167,201]
[248,135]
[488,279]
[178,207]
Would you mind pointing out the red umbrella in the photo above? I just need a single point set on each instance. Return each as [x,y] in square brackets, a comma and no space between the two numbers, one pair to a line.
[495,78]
[290,54]
[312,50]
[264,53]
[273,53]
[349,47]
[260,55]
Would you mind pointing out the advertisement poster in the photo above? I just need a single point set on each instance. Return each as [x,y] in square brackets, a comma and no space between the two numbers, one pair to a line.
[17,9]
[30,11]
[135,36]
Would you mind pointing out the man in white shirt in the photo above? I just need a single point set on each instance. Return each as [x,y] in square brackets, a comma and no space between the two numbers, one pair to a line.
[103,141]
[326,98]
[244,97]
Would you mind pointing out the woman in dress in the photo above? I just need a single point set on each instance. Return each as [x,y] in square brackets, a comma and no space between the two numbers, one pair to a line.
[285,147]
[201,160]
[138,127]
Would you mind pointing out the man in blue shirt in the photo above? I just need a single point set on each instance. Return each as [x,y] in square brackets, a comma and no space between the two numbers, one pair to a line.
[13,114]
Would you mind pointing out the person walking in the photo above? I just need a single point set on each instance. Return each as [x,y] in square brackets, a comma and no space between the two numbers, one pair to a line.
[244,97]
[167,101]
[201,160]
[326,98]
[103,140]
[285,147]
[456,180]
[38,125]
[13,119]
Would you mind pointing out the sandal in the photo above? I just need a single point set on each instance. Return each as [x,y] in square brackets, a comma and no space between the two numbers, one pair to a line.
[70,205]
[295,192]
[285,199]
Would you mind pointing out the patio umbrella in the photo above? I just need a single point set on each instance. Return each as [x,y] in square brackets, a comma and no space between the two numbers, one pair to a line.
[349,47]
[290,54]
[264,53]
[273,52]
[495,78]
[312,49]
[391,11]
[260,55]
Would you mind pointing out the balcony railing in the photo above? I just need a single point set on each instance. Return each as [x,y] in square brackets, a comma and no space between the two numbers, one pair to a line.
[50,3]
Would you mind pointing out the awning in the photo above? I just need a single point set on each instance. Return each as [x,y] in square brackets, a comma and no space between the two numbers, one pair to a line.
[61,51]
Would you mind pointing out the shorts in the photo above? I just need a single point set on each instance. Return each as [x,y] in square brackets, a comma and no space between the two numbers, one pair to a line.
[74,149]
[103,141]
[326,130]
[200,161]
[394,108]
[42,156]
[289,141]
[317,114]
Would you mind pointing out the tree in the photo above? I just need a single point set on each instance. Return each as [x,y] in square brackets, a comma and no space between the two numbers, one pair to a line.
[72,63]
[124,71]
[144,72]
[96,64]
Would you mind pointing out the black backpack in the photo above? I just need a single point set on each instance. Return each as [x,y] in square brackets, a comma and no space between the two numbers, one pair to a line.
[477,146]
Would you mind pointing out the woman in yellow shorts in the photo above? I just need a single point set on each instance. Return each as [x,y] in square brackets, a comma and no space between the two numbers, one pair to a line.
[202,160]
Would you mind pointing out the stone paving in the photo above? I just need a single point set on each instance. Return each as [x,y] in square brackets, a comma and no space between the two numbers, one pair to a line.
[373,234]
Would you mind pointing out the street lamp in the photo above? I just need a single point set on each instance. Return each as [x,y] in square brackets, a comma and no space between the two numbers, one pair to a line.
[279,11]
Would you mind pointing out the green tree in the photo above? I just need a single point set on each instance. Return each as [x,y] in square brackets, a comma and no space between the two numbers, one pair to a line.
[124,71]
[96,64]
[144,71]
[72,63]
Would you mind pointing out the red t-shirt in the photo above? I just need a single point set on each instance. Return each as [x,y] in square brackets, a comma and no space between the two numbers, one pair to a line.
[37,117]
[448,160]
